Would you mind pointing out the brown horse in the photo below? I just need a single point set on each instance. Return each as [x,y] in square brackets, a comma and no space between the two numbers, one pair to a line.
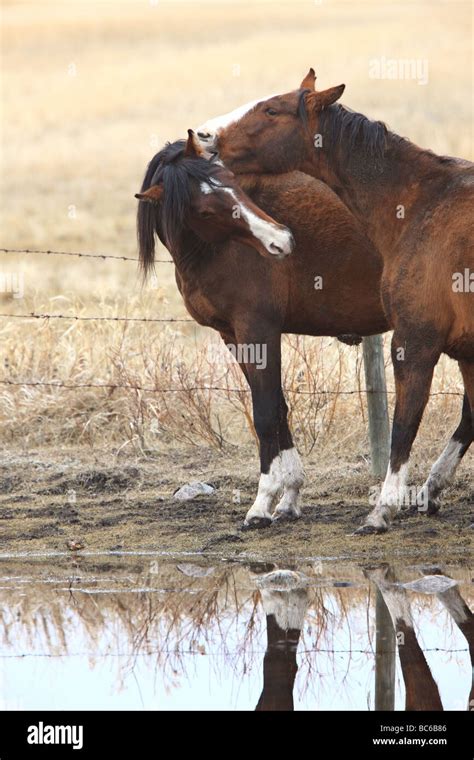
[250,300]
[417,209]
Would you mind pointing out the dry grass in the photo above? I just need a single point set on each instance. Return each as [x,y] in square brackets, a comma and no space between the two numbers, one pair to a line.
[164,387]
[90,92]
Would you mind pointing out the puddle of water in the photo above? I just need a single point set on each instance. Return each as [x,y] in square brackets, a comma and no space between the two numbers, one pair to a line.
[153,633]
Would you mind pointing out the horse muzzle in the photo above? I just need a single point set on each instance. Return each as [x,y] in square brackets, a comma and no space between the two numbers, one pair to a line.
[281,244]
[207,139]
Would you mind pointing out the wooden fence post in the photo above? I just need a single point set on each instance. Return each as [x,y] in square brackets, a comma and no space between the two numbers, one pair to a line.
[377,405]
[385,648]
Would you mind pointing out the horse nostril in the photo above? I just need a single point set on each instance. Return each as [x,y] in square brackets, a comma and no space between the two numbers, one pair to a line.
[276,248]
[204,135]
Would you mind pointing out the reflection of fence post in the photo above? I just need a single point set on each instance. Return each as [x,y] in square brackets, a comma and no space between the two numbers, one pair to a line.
[384,656]
[379,427]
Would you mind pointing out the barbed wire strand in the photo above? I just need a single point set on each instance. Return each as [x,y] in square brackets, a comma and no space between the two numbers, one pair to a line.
[181,653]
[195,388]
[76,318]
[80,254]
[113,386]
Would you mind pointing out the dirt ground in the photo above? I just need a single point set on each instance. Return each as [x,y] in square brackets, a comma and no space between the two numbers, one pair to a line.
[49,498]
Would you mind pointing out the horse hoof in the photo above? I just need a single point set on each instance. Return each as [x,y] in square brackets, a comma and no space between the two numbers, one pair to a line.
[369,530]
[433,507]
[284,516]
[256,523]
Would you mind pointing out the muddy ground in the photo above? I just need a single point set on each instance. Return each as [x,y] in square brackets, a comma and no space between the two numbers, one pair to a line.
[49,498]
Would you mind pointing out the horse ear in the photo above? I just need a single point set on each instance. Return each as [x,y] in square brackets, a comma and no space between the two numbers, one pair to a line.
[328,97]
[318,101]
[154,194]
[308,81]
[193,148]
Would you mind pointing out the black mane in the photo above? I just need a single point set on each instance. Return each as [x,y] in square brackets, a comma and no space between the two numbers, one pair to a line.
[361,145]
[180,177]
[355,136]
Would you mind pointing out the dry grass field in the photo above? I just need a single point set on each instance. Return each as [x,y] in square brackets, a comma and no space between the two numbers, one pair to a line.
[90,91]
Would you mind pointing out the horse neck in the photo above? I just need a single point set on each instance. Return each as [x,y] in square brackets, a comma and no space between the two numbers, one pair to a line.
[190,254]
[380,197]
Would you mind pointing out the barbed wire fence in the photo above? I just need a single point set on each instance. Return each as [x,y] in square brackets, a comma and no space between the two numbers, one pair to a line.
[158,320]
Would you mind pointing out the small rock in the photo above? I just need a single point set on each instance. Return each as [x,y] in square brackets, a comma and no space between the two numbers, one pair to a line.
[193,489]
[430,584]
[75,545]
[195,571]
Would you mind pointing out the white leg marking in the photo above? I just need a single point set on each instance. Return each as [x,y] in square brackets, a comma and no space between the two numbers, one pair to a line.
[285,472]
[288,607]
[288,505]
[285,595]
[441,473]
[391,498]
[393,489]
[454,604]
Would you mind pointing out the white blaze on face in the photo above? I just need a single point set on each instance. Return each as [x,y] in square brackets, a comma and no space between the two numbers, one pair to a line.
[277,240]
[210,129]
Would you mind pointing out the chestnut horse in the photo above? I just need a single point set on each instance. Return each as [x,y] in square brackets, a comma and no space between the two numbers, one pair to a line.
[417,209]
[226,283]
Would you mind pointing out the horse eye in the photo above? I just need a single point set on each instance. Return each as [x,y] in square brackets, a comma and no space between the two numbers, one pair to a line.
[271,111]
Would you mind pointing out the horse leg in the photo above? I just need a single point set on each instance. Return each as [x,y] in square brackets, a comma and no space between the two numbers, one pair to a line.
[280,465]
[446,465]
[421,690]
[413,369]
[288,507]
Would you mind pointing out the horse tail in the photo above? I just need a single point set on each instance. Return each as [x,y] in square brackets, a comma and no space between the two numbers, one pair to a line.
[147,222]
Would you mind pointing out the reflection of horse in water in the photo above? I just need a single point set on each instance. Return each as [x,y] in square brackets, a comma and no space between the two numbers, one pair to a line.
[422,692]
[285,600]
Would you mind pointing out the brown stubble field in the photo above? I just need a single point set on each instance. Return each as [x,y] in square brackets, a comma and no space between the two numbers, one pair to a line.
[90,91]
